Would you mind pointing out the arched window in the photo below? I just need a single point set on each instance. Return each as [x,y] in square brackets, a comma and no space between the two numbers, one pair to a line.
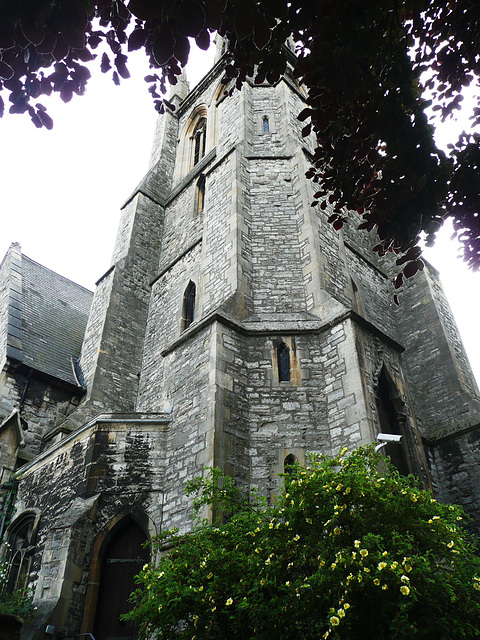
[283,362]
[200,195]
[199,138]
[188,314]
[266,124]
[288,463]
[21,547]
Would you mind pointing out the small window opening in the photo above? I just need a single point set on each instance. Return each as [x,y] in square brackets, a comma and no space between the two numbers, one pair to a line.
[266,124]
[200,194]
[283,362]
[188,305]
[288,464]
[199,140]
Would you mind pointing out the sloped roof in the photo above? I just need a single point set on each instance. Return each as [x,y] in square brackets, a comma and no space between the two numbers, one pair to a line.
[54,317]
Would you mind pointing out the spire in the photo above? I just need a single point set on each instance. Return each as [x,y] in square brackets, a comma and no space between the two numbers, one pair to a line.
[179,91]
[221,45]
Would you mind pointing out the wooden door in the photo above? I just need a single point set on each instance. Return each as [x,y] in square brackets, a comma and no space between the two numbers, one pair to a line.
[124,558]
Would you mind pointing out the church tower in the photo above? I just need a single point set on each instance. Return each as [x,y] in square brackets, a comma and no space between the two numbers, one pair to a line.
[235,328]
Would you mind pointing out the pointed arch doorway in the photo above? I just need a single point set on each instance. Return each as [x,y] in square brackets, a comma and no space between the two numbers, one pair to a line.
[392,419]
[123,559]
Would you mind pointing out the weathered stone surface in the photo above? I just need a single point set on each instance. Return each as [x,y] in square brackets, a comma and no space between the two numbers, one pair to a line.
[166,398]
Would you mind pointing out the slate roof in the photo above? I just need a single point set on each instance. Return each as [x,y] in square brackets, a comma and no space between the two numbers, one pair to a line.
[54,313]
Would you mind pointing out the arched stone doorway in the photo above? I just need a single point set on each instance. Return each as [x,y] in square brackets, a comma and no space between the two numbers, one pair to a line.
[123,558]
[392,419]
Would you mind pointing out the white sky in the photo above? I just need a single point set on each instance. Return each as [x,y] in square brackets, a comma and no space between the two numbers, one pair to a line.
[61,190]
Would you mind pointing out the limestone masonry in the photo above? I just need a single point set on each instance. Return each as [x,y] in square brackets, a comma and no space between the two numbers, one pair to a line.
[235,328]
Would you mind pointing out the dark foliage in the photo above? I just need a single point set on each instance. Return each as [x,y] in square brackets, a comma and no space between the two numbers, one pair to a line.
[364,65]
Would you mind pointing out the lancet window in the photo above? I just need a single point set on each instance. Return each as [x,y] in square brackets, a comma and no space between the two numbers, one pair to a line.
[283,362]
[188,314]
[199,138]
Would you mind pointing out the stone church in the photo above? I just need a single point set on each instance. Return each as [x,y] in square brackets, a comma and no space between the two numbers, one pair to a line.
[235,328]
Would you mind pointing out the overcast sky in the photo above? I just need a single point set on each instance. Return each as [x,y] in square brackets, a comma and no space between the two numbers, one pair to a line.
[61,190]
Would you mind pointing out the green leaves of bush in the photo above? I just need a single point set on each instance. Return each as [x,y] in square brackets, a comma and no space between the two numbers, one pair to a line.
[349,550]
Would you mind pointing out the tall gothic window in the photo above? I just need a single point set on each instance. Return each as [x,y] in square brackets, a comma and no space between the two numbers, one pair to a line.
[20,552]
[199,140]
[266,124]
[283,362]
[188,314]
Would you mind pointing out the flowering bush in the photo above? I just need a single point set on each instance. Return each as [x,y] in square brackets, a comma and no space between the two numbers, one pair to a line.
[350,549]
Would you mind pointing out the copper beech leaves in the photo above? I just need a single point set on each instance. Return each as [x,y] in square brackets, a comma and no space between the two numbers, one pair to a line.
[374,148]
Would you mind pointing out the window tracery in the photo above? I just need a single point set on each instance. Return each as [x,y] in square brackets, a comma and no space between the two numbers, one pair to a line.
[283,362]
[21,546]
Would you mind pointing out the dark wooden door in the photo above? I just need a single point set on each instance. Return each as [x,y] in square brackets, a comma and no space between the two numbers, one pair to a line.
[124,558]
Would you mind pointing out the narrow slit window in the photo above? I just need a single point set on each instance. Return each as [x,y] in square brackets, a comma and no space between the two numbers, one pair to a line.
[283,362]
[188,305]
[200,194]
[266,124]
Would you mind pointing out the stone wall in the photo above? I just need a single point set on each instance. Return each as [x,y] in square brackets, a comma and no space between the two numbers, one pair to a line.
[5,275]
[455,472]
[114,467]
[443,390]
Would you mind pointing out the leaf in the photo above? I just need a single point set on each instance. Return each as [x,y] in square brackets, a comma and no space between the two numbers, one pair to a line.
[397,283]
[46,86]
[2,107]
[181,49]
[6,71]
[75,38]
[338,224]
[105,65]
[137,39]
[262,33]
[410,269]
[144,9]
[203,40]
[121,67]
[36,121]
[31,31]
[244,18]
[115,78]
[190,18]
[66,92]
[94,41]
[61,49]
[306,130]
[45,119]
[48,44]
[395,299]
[164,42]
[123,12]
